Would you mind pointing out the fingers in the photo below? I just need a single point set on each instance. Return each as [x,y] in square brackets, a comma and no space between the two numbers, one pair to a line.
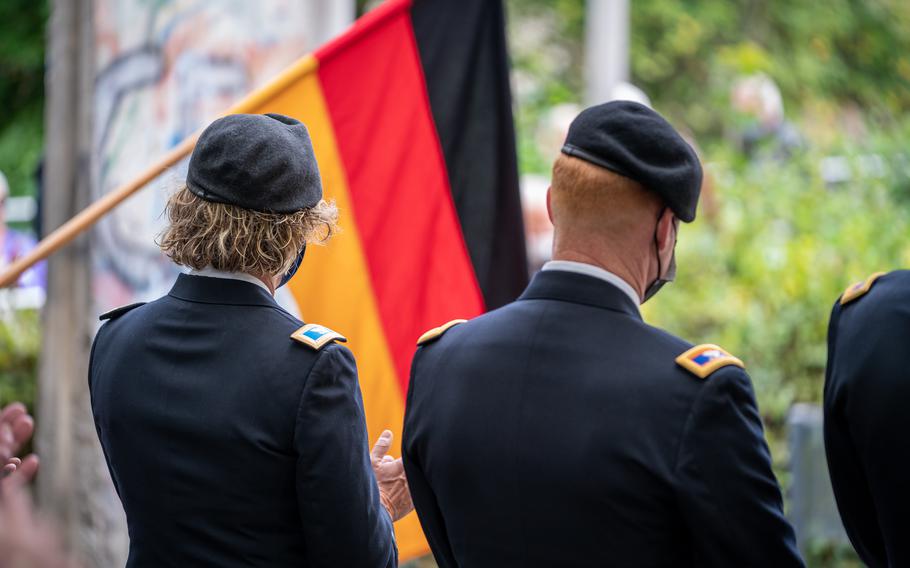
[28,469]
[7,442]
[23,427]
[12,411]
[11,465]
[391,469]
[382,446]
[16,428]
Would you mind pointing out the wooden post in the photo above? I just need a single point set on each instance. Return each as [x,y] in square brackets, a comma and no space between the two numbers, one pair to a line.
[74,485]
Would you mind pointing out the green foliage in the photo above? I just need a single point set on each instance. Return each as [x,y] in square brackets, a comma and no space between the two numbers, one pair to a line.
[20,344]
[771,251]
[686,54]
[773,248]
[22,25]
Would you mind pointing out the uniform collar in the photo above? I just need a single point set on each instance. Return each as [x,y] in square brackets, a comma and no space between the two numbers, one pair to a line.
[211,272]
[596,272]
[579,288]
[209,290]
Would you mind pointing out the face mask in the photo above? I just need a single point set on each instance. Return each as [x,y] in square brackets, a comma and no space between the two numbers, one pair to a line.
[659,282]
[293,269]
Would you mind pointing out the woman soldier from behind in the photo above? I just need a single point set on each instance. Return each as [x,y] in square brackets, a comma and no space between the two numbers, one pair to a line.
[234,433]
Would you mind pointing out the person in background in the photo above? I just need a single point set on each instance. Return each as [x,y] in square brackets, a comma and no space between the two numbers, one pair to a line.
[764,133]
[866,396]
[14,244]
[595,438]
[235,433]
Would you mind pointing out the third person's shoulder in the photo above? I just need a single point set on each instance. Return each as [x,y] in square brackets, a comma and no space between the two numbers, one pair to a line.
[873,299]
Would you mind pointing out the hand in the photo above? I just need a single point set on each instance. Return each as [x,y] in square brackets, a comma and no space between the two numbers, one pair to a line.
[16,428]
[393,485]
[27,541]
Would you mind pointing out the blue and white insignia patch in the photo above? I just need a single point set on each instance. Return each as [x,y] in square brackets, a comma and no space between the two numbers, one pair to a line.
[702,360]
[316,336]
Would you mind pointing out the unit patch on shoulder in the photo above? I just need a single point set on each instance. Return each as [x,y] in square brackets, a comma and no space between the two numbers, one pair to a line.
[702,360]
[117,312]
[438,331]
[860,288]
[316,336]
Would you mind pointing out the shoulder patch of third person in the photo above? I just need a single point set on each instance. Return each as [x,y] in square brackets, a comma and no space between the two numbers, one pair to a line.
[859,289]
[702,360]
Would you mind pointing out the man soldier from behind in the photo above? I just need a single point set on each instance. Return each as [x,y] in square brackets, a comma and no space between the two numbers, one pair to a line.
[595,439]
[867,391]
[234,433]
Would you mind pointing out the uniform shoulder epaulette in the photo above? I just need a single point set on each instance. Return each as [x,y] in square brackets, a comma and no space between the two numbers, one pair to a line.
[859,289]
[117,312]
[702,360]
[316,336]
[438,331]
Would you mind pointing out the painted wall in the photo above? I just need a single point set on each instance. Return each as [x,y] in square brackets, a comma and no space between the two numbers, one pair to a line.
[163,69]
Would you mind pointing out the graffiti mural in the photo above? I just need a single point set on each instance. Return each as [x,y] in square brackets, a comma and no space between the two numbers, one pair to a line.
[164,69]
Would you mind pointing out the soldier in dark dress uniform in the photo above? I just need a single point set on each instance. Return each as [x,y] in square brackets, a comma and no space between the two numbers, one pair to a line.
[562,430]
[235,433]
[867,391]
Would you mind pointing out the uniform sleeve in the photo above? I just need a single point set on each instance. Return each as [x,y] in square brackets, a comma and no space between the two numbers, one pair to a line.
[855,501]
[727,491]
[425,503]
[343,521]
[91,392]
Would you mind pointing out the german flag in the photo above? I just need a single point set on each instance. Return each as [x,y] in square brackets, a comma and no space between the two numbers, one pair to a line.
[410,116]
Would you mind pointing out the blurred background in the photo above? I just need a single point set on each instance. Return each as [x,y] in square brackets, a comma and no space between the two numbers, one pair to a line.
[798,109]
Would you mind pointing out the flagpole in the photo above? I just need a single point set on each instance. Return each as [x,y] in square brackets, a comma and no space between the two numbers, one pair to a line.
[64,234]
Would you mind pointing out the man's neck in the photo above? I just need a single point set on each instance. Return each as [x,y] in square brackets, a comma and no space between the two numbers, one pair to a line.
[610,263]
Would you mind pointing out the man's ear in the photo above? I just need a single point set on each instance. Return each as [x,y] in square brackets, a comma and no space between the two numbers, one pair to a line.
[666,237]
[549,209]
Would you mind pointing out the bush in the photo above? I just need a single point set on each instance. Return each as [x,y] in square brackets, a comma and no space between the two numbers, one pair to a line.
[20,344]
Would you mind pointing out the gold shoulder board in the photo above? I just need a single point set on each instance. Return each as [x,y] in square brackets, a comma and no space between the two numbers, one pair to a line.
[438,331]
[316,336]
[859,289]
[702,360]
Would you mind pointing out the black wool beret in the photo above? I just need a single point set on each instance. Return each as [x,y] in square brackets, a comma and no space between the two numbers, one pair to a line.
[263,162]
[634,141]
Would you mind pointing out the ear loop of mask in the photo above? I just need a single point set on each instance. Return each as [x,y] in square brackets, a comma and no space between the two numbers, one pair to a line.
[293,269]
[660,281]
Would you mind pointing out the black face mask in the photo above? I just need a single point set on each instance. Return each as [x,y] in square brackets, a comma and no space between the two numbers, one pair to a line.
[293,269]
[659,282]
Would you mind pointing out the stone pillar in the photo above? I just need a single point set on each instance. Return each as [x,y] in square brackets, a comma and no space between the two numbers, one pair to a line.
[74,486]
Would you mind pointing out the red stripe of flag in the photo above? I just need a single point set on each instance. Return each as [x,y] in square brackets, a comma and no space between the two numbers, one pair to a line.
[420,269]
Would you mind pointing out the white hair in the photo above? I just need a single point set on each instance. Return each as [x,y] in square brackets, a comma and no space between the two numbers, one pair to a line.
[761,92]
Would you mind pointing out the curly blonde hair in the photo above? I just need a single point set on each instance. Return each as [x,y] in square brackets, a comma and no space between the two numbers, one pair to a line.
[203,233]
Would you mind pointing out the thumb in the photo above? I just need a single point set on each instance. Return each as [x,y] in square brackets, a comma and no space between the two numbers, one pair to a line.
[382,446]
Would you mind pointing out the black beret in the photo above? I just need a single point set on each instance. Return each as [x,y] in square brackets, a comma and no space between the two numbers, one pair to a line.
[263,162]
[634,141]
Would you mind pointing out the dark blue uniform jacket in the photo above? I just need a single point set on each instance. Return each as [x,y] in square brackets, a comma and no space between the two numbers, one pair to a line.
[867,419]
[559,431]
[229,443]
